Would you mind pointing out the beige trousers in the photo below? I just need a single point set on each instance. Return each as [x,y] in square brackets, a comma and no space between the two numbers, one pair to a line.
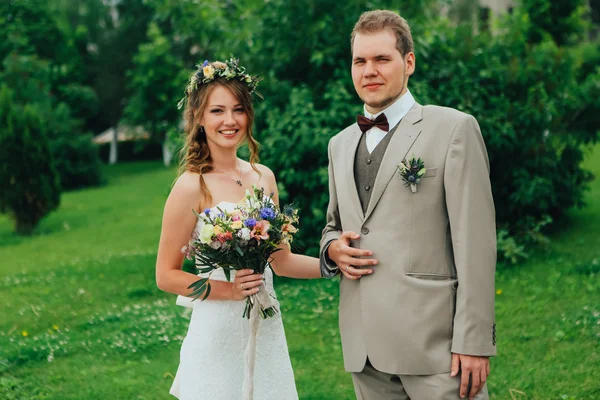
[371,384]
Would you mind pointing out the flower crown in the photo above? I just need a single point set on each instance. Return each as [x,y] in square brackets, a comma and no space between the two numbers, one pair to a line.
[229,70]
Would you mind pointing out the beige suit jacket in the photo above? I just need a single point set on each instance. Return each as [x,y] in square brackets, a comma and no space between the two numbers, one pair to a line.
[432,292]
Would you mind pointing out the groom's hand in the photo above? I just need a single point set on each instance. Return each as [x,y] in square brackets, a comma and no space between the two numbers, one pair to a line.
[346,259]
[475,367]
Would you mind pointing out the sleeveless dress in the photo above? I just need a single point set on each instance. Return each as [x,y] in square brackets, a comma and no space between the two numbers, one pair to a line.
[212,354]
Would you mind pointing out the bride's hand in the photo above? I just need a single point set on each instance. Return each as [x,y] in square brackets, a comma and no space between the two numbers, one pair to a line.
[245,283]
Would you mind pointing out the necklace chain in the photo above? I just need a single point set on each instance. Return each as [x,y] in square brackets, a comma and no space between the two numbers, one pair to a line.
[237,181]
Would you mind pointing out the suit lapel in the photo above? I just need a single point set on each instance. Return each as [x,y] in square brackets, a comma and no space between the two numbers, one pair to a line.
[408,131]
[349,170]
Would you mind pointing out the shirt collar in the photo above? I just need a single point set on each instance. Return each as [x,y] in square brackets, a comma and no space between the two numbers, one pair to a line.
[395,111]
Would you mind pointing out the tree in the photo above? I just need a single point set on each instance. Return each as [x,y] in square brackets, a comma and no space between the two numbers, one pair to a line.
[560,19]
[43,70]
[29,183]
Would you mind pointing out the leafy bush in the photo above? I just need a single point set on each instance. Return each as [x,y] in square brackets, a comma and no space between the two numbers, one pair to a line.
[41,67]
[535,115]
[76,157]
[29,183]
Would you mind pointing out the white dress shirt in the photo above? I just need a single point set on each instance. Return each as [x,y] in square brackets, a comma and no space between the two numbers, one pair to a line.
[394,113]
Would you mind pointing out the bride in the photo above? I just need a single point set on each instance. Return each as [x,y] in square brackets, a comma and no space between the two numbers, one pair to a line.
[219,117]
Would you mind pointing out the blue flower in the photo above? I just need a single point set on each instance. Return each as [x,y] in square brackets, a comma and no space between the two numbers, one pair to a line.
[205,63]
[207,211]
[288,210]
[267,213]
[250,222]
[411,178]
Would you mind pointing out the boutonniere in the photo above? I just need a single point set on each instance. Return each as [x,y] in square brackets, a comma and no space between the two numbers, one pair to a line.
[411,172]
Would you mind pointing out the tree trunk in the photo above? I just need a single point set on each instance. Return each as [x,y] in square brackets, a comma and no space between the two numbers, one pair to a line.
[114,147]
[24,228]
[167,152]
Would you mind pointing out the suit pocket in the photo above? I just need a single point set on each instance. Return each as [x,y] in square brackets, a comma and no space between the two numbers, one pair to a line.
[430,173]
[431,276]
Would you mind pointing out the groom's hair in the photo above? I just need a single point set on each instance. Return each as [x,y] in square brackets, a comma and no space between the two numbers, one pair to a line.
[379,20]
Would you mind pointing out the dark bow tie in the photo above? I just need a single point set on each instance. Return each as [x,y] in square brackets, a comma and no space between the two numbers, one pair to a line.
[365,123]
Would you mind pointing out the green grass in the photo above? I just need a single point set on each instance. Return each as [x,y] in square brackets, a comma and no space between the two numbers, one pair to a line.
[82,318]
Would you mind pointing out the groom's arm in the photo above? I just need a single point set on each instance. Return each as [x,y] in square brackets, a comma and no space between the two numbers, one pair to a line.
[473,229]
[333,227]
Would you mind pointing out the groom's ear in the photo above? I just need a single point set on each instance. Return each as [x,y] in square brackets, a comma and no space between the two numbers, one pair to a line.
[410,62]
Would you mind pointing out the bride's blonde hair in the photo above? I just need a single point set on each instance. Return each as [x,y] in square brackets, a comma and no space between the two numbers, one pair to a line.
[195,154]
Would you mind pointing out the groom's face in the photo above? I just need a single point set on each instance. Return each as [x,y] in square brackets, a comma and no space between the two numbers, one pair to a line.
[379,71]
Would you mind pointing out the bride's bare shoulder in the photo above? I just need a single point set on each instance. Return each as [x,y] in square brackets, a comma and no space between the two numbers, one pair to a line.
[266,172]
[267,179]
[188,184]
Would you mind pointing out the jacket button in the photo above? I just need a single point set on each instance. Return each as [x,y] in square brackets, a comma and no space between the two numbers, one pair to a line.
[368,161]
[364,231]
[367,188]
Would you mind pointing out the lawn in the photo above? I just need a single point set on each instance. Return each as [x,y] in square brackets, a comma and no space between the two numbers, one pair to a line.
[83,319]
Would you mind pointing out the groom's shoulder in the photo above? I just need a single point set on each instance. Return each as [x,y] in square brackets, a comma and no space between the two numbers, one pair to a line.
[345,133]
[446,114]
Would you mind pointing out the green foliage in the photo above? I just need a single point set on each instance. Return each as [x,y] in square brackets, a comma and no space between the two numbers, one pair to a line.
[44,71]
[509,249]
[535,115]
[75,156]
[28,28]
[29,182]
[560,19]
[156,84]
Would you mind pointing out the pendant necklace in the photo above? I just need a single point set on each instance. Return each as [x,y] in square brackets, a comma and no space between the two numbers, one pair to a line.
[237,181]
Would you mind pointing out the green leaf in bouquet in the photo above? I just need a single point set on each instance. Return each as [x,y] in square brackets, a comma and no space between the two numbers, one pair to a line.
[203,270]
[227,273]
[198,292]
[200,286]
[238,250]
[198,283]
[208,287]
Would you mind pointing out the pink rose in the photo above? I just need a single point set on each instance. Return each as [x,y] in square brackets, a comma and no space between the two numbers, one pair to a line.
[260,230]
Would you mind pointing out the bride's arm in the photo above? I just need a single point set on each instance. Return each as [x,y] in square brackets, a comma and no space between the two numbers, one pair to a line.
[286,263]
[177,226]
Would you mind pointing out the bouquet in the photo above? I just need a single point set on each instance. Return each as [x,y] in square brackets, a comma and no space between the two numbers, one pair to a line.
[244,238]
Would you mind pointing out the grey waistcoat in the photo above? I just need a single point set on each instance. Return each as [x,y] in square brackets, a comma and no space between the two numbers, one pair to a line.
[367,165]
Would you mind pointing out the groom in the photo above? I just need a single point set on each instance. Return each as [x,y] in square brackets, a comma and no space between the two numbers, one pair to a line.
[416,251]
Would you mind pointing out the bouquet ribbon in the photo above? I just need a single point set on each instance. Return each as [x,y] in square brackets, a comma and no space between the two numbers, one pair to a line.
[264,301]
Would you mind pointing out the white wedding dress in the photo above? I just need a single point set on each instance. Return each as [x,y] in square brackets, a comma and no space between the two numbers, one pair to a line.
[212,354]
